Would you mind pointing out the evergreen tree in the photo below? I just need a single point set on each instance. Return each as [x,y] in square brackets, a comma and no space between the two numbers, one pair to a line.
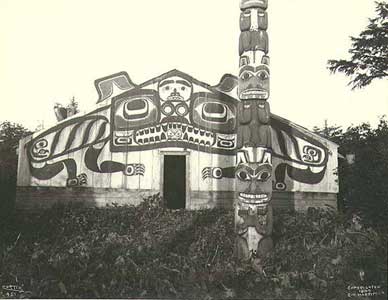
[72,107]
[363,185]
[369,52]
[10,134]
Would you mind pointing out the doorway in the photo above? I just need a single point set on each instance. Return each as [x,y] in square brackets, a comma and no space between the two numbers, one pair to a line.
[174,181]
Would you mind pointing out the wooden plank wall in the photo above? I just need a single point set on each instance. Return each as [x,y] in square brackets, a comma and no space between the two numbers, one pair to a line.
[29,198]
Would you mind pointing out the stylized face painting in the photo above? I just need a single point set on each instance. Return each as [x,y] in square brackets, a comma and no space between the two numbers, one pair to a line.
[175,88]
[174,117]
[254,78]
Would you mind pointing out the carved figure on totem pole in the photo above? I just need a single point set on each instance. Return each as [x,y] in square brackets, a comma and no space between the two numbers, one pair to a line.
[245,4]
[253,212]
[253,26]
[253,113]
[253,172]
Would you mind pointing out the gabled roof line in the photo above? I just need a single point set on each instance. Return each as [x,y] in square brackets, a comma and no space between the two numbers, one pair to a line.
[215,88]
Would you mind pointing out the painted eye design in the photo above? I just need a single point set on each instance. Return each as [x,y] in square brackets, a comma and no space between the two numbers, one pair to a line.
[41,144]
[167,88]
[311,154]
[215,112]
[243,175]
[39,150]
[264,176]
[135,109]
[168,108]
[183,88]
[182,109]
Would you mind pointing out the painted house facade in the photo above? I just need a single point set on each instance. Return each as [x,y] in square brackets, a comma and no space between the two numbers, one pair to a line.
[172,135]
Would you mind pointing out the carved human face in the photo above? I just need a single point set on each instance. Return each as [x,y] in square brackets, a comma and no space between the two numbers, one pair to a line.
[253,19]
[175,88]
[254,183]
[253,78]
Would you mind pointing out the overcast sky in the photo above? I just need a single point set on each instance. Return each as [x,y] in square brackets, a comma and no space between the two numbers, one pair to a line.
[52,50]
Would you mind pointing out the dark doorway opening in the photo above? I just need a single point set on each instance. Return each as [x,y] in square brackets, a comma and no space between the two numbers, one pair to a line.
[174,183]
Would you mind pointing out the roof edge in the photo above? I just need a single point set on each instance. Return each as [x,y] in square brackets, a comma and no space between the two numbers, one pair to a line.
[304,129]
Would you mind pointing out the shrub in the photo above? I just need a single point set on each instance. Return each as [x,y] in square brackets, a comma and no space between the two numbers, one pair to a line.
[150,251]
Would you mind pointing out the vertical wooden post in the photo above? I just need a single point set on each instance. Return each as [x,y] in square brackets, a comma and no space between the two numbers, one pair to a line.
[253,210]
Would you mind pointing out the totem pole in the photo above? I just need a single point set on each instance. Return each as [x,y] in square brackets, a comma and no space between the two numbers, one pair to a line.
[253,210]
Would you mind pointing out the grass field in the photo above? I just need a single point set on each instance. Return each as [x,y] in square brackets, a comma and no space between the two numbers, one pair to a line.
[148,251]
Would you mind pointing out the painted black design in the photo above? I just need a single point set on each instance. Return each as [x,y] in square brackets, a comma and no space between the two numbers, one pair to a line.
[297,174]
[45,151]
[48,171]
[217,173]
[107,166]
[142,120]
[311,154]
[292,145]
[134,169]
[91,161]
[68,137]
[169,112]
[80,180]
